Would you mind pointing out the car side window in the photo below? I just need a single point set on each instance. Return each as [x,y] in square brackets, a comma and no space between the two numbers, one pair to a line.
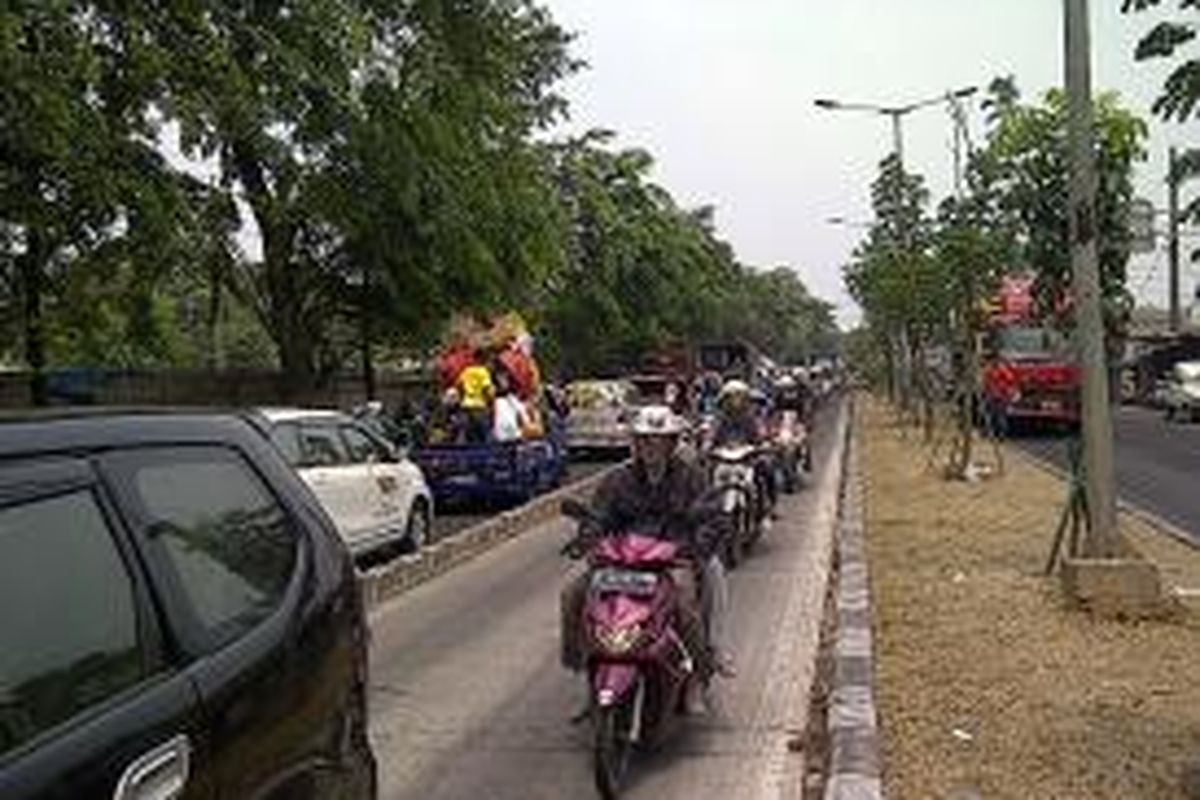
[287,440]
[228,545]
[68,619]
[361,447]
[321,447]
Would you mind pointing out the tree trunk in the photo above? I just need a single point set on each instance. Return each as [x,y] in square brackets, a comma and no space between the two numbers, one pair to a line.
[213,357]
[889,354]
[906,367]
[965,393]
[32,276]
[284,300]
[297,352]
[924,391]
[368,363]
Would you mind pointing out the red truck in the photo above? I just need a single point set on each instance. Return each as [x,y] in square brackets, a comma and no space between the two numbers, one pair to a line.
[1029,376]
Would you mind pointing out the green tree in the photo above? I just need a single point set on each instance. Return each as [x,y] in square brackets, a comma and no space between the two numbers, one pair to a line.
[893,279]
[1169,39]
[82,186]
[643,273]
[1026,156]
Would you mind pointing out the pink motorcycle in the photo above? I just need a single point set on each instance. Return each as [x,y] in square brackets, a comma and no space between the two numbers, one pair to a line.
[638,666]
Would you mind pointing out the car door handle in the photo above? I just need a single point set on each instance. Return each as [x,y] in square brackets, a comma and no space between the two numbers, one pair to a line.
[160,774]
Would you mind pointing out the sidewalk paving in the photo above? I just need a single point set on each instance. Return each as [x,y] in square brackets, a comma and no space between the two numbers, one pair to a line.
[987,685]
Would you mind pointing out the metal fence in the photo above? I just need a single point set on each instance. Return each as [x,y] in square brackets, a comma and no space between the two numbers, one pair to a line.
[199,388]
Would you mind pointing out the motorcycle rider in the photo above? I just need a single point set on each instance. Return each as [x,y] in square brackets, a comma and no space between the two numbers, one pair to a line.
[653,493]
[739,422]
[793,395]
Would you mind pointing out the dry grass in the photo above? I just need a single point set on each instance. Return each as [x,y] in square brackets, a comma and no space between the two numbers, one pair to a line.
[988,686]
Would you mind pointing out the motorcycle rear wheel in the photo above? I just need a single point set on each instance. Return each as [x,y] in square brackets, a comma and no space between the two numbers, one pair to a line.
[791,475]
[612,748]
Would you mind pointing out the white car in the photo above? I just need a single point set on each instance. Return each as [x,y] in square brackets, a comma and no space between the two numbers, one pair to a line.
[1183,392]
[599,413]
[375,496]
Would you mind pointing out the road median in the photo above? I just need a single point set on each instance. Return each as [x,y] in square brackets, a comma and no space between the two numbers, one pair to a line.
[988,684]
[380,584]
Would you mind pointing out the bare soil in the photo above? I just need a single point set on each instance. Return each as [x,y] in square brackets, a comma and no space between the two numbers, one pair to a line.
[989,685]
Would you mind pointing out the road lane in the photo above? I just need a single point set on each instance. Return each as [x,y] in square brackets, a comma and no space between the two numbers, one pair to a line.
[468,700]
[1157,464]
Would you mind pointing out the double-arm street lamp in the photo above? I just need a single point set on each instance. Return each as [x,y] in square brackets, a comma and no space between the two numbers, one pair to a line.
[896,113]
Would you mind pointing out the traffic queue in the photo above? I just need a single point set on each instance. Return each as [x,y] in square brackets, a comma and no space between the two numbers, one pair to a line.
[645,621]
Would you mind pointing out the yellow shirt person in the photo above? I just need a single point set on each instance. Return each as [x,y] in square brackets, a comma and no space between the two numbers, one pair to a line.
[475,386]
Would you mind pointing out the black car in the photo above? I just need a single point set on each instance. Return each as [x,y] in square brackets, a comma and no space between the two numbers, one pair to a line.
[178,617]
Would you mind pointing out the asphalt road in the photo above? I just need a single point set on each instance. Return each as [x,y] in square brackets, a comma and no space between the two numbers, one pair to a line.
[1157,464]
[468,700]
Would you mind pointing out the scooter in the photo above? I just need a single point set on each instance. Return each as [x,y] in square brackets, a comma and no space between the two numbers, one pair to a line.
[638,667]
[741,501]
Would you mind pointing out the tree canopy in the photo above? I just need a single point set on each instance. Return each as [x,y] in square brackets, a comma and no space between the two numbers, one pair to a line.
[390,157]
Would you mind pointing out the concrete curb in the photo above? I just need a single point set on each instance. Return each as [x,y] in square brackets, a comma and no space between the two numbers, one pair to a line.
[855,764]
[1124,506]
[407,572]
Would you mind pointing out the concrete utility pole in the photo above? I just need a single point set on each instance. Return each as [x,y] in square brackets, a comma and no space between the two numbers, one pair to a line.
[1173,180]
[1104,538]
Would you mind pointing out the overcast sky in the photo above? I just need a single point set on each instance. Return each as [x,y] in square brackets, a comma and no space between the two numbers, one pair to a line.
[721,92]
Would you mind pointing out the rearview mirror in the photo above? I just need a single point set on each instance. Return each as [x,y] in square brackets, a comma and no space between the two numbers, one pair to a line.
[575,510]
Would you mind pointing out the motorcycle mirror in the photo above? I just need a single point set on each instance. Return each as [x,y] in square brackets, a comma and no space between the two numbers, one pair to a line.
[575,510]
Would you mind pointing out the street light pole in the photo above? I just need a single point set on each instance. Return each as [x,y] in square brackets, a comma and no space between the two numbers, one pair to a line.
[1103,540]
[904,246]
[897,115]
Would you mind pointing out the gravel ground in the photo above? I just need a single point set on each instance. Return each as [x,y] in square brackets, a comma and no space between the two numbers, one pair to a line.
[988,686]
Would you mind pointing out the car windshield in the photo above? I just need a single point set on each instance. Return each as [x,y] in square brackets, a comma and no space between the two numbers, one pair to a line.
[1031,342]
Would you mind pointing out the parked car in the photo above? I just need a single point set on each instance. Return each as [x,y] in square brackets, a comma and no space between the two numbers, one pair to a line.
[1183,392]
[376,496]
[180,618]
[599,413]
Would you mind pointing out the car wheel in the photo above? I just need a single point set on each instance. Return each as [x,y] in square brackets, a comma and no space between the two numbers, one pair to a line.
[416,534]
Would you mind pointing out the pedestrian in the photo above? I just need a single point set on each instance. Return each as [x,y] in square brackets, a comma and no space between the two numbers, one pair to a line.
[477,392]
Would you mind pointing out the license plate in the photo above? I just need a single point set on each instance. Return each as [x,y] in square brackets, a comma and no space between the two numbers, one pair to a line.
[1052,405]
[624,581]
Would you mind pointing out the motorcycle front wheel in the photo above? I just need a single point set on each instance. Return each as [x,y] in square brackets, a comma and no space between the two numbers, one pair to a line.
[612,747]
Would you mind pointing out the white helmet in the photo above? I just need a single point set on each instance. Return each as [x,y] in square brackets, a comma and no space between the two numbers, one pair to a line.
[734,387]
[785,382]
[656,421]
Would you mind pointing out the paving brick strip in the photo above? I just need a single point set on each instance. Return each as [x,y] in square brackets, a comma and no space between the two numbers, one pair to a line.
[855,764]
[407,572]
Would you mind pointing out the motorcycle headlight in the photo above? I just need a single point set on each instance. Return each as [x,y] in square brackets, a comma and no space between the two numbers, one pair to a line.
[618,641]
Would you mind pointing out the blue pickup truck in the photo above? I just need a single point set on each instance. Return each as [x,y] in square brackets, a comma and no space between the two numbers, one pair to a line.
[493,472]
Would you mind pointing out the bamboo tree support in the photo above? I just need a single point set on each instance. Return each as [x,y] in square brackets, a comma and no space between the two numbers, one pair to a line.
[1074,518]
[953,436]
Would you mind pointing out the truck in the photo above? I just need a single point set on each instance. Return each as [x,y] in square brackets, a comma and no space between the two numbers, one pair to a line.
[503,473]
[733,359]
[1028,375]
